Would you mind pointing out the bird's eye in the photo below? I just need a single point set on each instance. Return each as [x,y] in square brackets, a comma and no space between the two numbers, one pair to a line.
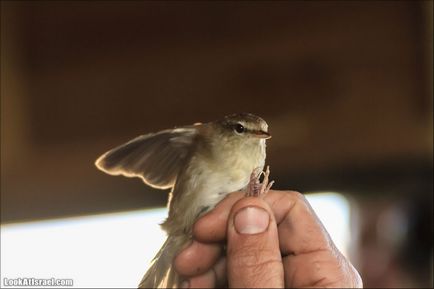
[239,128]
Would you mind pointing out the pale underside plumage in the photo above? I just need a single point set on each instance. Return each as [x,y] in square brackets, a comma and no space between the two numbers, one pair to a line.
[200,167]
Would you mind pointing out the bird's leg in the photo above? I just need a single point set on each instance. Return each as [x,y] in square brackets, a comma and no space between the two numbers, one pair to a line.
[255,188]
[266,185]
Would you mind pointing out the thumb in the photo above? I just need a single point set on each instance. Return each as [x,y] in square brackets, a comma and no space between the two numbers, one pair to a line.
[253,254]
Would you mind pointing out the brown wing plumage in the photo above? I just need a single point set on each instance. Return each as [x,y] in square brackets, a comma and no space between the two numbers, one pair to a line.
[155,158]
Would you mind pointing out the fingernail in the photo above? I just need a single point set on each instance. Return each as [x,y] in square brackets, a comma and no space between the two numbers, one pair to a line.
[185,284]
[251,220]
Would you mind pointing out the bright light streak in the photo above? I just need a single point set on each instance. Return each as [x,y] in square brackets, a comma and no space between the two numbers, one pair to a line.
[110,250]
[114,250]
[333,210]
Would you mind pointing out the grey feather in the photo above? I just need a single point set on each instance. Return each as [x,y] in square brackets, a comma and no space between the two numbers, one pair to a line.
[161,273]
[156,158]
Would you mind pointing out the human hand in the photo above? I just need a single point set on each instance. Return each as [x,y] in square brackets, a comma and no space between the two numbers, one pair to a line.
[273,242]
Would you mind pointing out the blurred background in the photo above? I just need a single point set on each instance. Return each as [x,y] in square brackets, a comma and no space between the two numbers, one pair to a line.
[346,88]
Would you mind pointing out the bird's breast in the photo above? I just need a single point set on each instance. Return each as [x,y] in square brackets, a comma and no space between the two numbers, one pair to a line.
[206,181]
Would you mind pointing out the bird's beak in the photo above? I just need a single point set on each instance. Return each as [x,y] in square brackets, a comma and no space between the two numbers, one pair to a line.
[262,134]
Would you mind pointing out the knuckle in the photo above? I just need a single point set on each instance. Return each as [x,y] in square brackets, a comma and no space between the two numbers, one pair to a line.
[296,196]
[291,197]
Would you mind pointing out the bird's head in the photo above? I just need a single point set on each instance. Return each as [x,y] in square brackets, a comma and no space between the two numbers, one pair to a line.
[241,128]
[244,126]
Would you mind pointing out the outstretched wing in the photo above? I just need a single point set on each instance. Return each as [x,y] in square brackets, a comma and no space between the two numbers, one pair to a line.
[156,158]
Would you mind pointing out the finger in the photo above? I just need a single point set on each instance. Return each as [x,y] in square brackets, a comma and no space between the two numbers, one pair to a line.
[212,226]
[300,230]
[312,260]
[213,278]
[321,269]
[220,272]
[205,280]
[253,255]
[313,269]
[197,258]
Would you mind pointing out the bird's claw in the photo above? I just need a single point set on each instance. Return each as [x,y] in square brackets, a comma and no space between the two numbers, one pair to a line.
[255,188]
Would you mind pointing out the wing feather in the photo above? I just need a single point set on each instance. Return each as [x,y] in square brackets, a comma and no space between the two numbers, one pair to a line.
[155,158]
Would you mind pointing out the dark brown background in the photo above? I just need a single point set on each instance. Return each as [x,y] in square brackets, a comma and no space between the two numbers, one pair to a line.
[346,88]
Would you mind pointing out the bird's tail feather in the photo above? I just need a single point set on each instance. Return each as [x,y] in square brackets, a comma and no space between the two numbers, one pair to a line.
[161,273]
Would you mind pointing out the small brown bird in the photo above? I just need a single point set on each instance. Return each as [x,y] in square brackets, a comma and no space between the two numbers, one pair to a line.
[202,164]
